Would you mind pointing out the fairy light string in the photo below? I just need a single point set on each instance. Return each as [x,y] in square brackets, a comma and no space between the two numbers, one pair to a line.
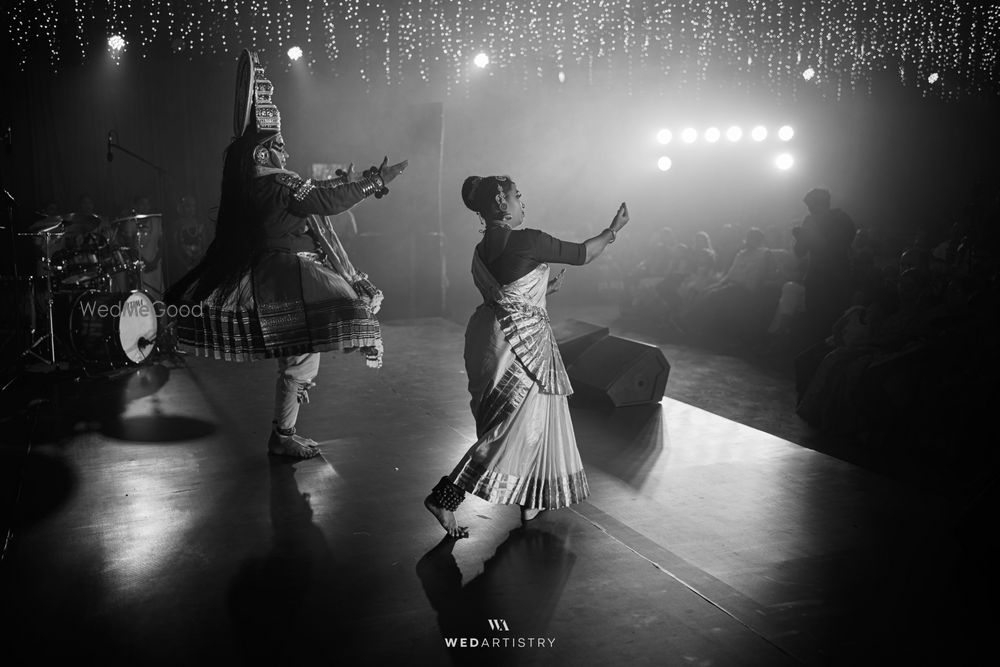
[945,48]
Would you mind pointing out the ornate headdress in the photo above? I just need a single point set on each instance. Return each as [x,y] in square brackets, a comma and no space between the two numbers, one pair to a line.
[255,112]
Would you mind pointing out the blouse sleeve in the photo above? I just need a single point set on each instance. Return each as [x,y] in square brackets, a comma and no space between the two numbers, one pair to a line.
[549,249]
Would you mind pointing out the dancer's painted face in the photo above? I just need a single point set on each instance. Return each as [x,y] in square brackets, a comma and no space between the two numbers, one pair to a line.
[278,150]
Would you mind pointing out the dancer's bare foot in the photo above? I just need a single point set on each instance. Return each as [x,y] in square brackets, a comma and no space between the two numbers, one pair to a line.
[447,519]
[529,514]
[292,445]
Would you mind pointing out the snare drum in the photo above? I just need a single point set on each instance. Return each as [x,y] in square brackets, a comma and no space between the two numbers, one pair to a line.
[118,329]
[75,266]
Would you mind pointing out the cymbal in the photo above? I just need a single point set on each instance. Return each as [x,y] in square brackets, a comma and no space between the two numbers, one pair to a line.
[139,216]
[52,224]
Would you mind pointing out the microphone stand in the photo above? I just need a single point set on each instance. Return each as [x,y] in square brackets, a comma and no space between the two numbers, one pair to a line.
[160,170]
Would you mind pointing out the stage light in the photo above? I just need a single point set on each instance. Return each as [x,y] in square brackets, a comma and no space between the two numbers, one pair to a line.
[562,77]
[116,43]
[932,78]
[809,73]
[712,135]
[664,163]
[664,136]
[734,133]
[786,132]
[784,162]
[689,135]
[481,60]
[294,53]
[759,133]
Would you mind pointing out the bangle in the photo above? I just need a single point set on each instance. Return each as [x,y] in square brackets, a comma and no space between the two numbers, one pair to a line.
[375,184]
[614,235]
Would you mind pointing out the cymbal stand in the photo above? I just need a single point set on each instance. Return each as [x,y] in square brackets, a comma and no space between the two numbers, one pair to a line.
[51,335]
[10,204]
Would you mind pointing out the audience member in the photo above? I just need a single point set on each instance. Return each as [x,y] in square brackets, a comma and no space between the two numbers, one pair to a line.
[824,238]
[737,305]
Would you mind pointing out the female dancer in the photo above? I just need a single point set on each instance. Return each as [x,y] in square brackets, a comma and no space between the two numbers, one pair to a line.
[526,453]
[276,282]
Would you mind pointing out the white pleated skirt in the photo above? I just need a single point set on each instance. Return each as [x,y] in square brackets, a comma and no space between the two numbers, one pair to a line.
[526,453]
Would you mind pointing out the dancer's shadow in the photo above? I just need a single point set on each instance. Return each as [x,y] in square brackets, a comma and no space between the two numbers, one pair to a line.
[520,586]
[276,600]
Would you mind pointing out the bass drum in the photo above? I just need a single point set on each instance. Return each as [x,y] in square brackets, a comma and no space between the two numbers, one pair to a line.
[113,328]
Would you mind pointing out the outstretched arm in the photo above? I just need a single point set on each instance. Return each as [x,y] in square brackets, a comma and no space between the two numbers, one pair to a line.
[337,194]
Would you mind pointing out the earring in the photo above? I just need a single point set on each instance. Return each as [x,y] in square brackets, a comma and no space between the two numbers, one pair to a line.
[500,199]
[261,156]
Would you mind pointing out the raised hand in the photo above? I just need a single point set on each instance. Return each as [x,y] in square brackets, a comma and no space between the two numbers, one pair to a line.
[621,218]
[390,173]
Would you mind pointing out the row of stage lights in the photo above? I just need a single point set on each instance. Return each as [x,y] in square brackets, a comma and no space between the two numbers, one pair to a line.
[782,162]
[689,135]
[116,43]
[711,135]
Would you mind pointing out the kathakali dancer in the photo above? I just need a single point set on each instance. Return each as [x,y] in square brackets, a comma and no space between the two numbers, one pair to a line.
[276,283]
[526,450]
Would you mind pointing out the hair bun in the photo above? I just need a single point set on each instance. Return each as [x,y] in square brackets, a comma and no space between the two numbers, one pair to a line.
[469,192]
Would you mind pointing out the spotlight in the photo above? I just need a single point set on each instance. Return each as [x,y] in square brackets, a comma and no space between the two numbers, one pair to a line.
[481,60]
[116,43]
[933,77]
[712,135]
[562,76]
[759,133]
[664,136]
[809,73]
[734,133]
[664,163]
[689,135]
[784,162]
[786,132]
[178,45]
[294,53]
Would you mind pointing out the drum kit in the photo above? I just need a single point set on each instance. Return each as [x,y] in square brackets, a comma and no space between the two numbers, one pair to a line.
[88,303]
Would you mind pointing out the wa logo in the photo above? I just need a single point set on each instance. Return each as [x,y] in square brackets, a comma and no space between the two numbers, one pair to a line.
[498,624]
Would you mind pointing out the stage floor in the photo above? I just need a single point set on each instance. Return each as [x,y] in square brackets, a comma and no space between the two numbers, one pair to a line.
[151,527]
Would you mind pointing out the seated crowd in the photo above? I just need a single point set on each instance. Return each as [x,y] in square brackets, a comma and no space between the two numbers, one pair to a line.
[903,359]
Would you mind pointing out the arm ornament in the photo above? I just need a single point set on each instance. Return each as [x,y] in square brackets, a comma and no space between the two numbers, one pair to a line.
[300,188]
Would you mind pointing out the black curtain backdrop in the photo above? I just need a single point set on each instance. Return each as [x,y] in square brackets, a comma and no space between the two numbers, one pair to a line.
[892,159]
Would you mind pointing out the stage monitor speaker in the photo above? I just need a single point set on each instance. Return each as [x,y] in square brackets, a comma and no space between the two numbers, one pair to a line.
[624,372]
[575,336]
